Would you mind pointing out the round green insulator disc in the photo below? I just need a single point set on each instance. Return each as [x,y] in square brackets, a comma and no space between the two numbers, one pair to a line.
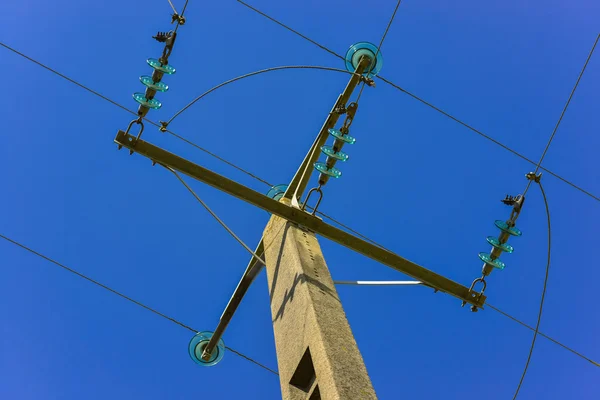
[503,226]
[158,86]
[339,135]
[333,172]
[152,103]
[485,257]
[154,63]
[340,155]
[502,246]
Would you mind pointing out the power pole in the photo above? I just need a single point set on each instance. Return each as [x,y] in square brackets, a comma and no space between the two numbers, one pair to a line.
[316,351]
[317,355]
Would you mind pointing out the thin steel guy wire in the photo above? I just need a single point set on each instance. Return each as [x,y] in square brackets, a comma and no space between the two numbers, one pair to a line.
[215,216]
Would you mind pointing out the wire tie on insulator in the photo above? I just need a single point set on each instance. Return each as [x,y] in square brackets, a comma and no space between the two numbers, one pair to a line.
[163,126]
[368,81]
[318,190]
[179,18]
[533,177]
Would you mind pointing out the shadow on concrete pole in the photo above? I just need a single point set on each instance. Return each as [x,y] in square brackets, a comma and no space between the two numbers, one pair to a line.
[316,352]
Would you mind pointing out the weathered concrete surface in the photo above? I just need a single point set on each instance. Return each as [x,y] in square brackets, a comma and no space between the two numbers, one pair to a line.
[316,352]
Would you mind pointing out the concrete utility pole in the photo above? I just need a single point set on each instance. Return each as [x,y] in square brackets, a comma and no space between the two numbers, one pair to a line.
[316,351]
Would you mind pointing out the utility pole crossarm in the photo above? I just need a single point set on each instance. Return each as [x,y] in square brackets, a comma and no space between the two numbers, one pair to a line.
[301,218]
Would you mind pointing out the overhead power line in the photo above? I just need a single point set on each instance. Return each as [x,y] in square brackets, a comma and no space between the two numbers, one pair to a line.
[379,47]
[103,286]
[262,71]
[194,330]
[291,30]
[172,6]
[255,176]
[428,104]
[183,138]
[594,363]
[531,179]
[562,114]
[269,184]
[135,114]
[539,318]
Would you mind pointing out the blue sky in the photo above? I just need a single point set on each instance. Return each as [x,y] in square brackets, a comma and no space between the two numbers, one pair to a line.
[417,182]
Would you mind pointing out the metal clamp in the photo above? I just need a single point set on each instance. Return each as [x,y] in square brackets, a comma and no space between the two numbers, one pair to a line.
[134,141]
[318,190]
[533,177]
[476,295]
[179,18]
[163,126]
[368,81]
[350,112]
[168,38]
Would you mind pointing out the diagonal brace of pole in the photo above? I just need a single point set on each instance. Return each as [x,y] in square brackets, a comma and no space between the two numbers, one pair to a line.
[252,270]
[300,180]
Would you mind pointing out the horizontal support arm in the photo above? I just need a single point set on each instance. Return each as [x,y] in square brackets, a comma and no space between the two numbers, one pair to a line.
[299,217]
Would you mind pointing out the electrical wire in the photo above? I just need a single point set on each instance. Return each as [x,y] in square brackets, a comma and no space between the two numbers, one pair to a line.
[135,114]
[397,87]
[542,334]
[255,176]
[172,6]
[539,319]
[179,20]
[245,171]
[487,304]
[379,48]
[269,184]
[79,274]
[252,360]
[184,7]
[414,96]
[480,133]
[215,216]
[103,286]
[291,30]
[562,114]
[346,227]
[262,71]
